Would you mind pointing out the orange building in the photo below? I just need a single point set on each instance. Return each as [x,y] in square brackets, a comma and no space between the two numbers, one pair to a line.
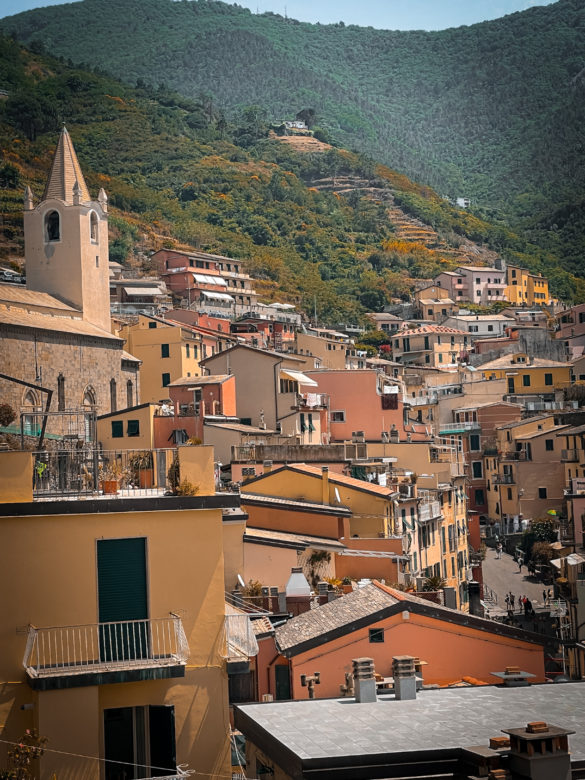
[378,622]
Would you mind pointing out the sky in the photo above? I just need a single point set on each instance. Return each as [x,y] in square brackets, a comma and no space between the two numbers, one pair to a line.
[383,14]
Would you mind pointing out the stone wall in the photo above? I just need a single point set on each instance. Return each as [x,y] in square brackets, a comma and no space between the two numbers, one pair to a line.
[87,365]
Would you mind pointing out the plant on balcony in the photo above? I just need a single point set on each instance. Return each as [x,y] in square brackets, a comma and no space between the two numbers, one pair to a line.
[21,757]
[317,560]
[141,467]
[433,583]
[186,488]
[252,592]
[111,475]
[178,486]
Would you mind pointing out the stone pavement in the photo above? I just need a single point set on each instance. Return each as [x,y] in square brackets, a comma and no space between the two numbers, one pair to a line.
[503,576]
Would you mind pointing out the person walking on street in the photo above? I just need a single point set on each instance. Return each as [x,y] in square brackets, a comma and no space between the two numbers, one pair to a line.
[520,562]
[499,550]
[527,606]
[512,600]
[544,597]
[507,602]
[549,596]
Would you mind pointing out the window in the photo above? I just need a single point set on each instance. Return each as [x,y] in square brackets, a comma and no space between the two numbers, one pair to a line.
[166,380]
[113,396]
[152,324]
[479,498]
[164,351]
[477,469]
[187,350]
[93,227]
[129,393]
[474,442]
[338,416]
[52,226]
[376,635]
[117,429]
[490,328]
[139,741]
[526,380]
[549,445]
[548,379]
[61,393]
[133,428]
[542,493]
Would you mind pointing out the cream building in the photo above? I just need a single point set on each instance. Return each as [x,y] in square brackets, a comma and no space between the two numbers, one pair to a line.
[56,334]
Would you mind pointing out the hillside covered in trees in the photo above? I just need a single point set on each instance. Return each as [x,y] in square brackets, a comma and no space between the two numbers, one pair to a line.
[329,227]
[493,112]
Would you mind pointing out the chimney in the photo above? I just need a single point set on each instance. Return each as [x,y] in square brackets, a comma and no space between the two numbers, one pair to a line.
[394,435]
[403,671]
[473,590]
[539,752]
[364,681]
[267,466]
[325,485]
[298,592]
[322,589]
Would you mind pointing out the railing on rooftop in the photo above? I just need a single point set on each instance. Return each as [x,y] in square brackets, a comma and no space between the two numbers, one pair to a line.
[422,400]
[570,456]
[88,471]
[504,479]
[515,455]
[99,647]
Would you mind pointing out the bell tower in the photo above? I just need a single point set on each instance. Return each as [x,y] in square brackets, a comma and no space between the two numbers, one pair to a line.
[66,239]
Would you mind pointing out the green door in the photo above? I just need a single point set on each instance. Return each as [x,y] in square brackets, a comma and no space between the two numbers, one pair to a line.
[122,599]
[282,675]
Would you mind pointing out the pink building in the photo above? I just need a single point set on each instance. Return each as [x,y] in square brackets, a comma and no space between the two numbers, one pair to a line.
[474,284]
[362,400]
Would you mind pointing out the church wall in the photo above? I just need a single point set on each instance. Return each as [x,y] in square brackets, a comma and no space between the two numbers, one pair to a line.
[83,361]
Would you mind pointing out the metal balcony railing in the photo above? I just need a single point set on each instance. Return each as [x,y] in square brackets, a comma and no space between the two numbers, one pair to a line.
[515,455]
[457,427]
[504,479]
[240,640]
[311,400]
[429,511]
[105,647]
[570,456]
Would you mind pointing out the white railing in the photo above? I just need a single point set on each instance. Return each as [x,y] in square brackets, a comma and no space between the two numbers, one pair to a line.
[467,425]
[422,400]
[240,639]
[99,647]
[429,510]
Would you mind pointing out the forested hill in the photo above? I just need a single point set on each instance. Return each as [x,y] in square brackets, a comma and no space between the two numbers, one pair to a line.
[323,226]
[494,111]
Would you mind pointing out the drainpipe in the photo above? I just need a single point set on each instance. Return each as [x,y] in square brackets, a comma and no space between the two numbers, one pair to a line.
[325,485]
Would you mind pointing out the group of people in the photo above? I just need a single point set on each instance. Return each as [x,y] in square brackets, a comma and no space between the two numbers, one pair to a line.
[524,602]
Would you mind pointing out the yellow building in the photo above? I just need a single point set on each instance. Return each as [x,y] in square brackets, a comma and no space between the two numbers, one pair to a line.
[167,351]
[526,289]
[430,345]
[525,473]
[526,375]
[113,642]
[433,303]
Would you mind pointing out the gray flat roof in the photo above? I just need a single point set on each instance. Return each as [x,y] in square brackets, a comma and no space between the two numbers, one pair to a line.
[436,720]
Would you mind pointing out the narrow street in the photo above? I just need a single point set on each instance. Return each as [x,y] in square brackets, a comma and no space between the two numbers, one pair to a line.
[503,577]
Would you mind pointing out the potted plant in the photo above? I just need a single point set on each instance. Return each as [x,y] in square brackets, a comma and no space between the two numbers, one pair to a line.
[142,468]
[346,585]
[110,476]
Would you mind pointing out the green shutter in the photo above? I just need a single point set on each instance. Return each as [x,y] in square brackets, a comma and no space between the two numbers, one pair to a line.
[122,579]
[282,678]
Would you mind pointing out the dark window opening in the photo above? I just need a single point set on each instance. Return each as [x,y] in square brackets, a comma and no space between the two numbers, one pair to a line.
[53,226]
[376,635]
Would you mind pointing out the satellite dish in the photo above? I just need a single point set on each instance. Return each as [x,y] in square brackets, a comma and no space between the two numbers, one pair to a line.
[337,497]
[241,581]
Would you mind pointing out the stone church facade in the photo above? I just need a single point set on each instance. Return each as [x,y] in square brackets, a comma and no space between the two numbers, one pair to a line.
[56,333]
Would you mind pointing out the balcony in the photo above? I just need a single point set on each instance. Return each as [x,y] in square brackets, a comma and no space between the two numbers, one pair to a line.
[459,427]
[429,510]
[504,479]
[515,455]
[306,401]
[570,456]
[240,642]
[100,653]
[422,400]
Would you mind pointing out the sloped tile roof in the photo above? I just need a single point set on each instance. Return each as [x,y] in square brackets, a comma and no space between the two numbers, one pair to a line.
[25,319]
[65,172]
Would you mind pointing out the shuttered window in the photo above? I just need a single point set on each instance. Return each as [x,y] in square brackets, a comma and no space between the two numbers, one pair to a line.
[122,579]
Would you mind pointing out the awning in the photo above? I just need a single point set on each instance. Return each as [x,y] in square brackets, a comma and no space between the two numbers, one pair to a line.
[218,281]
[217,296]
[143,291]
[297,376]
